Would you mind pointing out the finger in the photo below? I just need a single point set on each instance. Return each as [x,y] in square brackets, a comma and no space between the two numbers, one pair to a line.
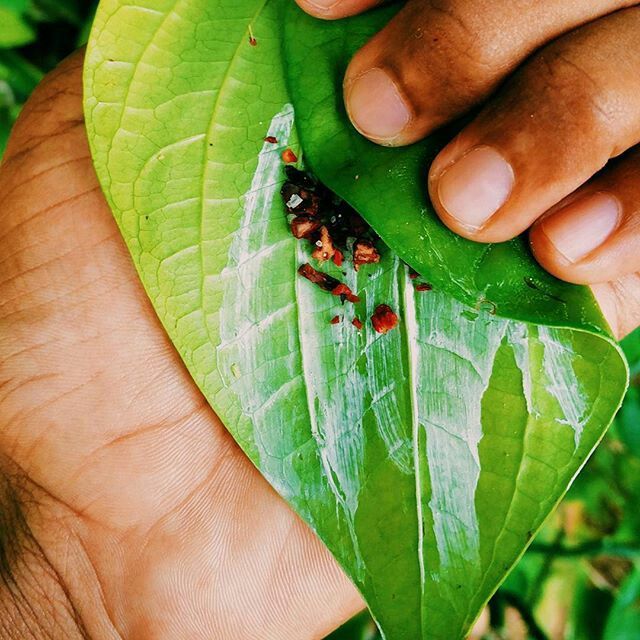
[557,123]
[333,9]
[593,236]
[620,303]
[435,60]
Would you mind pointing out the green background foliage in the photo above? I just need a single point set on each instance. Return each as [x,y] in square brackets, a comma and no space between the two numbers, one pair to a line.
[579,580]
[34,36]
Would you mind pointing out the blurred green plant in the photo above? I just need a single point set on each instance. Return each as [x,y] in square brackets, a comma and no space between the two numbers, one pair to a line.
[34,36]
[580,579]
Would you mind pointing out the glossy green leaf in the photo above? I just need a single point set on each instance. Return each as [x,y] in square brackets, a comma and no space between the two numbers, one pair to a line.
[425,459]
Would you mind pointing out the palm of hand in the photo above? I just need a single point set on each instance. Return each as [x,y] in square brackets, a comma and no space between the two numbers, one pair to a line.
[128,482]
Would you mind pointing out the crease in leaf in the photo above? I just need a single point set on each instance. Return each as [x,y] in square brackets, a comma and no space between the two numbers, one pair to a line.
[425,459]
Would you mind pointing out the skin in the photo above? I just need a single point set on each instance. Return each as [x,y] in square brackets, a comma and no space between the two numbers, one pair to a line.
[141,519]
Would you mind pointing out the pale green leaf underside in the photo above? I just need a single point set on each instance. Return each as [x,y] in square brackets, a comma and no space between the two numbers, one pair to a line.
[425,459]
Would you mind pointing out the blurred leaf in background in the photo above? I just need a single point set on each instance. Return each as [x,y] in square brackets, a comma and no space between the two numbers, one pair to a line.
[624,619]
[34,36]
[580,580]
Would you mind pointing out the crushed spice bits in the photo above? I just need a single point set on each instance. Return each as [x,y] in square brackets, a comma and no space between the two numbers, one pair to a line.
[337,233]
[384,319]
[271,140]
[364,252]
[323,280]
[304,226]
[289,157]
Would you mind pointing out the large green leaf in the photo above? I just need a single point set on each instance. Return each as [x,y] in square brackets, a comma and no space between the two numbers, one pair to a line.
[426,458]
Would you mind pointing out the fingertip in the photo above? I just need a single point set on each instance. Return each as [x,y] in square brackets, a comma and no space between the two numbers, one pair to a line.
[572,242]
[318,9]
[375,103]
[468,186]
[550,259]
[335,9]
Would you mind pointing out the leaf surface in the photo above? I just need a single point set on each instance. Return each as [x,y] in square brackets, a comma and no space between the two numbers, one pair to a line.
[426,458]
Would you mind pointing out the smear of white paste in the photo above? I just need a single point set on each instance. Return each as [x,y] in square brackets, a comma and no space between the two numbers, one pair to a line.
[411,327]
[518,337]
[563,385]
[259,348]
[384,361]
[460,356]
[256,347]
[336,391]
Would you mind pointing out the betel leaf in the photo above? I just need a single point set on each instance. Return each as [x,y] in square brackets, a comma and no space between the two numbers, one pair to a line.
[426,458]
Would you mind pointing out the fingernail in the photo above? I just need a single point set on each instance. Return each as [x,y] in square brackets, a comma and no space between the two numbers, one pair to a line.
[476,186]
[323,4]
[582,226]
[376,107]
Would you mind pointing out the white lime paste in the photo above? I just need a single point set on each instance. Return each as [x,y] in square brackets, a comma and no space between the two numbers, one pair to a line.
[456,358]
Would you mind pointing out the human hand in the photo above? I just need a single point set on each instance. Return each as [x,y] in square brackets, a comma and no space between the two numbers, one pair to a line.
[126,510]
[534,155]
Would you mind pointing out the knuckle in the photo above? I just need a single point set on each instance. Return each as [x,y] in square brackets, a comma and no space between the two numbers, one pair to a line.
[578,97]
[450,46]
[470,36]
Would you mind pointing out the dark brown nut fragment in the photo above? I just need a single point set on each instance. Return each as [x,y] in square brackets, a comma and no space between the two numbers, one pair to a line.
[309,204]
[300,178]
[364,252]
[304,227]
[384,319]
[324,246]
[324,281]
